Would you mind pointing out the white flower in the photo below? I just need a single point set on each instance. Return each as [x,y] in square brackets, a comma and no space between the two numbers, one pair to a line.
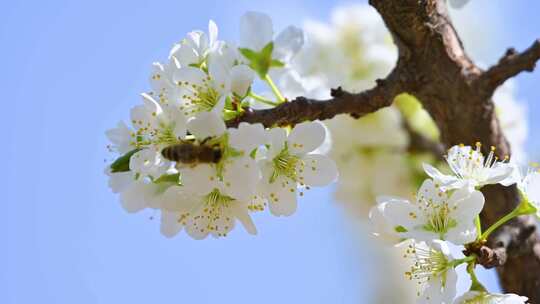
[289,163]
[528,183]
[160,125]
[256,31]
[241,137]
[121,137]
[470,168]
[351,52]
[161,82]
[435,214]
[201,92]
[135,193]
[205,205]
[156,127]
[148,162]
[227,60]
[195,48]
[429,268]
[478,297]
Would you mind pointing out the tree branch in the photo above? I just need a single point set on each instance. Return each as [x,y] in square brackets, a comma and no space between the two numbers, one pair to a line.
[342,102]
[511,64]
[434,67]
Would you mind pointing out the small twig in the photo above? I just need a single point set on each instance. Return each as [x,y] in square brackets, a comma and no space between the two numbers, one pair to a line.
[511,64]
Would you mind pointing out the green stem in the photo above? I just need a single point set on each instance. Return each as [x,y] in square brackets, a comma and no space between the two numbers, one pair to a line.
[522,209]
[468,259]
[478,225]
[263,99]
[475,284]
[274,88]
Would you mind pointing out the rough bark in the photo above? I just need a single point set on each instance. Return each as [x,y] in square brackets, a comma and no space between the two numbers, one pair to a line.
[434,67]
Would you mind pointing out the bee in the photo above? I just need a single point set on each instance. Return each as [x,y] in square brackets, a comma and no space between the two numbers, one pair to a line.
[192,153]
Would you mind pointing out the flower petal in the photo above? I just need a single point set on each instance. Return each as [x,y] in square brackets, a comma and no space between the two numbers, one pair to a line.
[177,199]
[188,76]
[467,204]
[288,43]
[120,181]
[435,174]
[243,216]
[247,137]
[206,124]
[277,138]
[241,177]
[317,170]
[498,173]
[148,162]
[432,192]
[241,79]
[532,187]
[197,225]
[465,232]
[401,213]
[170,223]
[133,198]
[380,226]
[306,137]
[281,193]
[212,32]
[200,179]
[221,225]
[184,54]
[120,137]
[256,30]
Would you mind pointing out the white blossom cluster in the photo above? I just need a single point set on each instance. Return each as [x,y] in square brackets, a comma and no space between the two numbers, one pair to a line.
[177,155]
[446,210]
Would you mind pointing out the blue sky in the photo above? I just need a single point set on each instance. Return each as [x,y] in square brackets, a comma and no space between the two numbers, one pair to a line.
[72,69]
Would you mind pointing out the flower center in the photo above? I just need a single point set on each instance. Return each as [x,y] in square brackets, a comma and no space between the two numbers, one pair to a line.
[438,217]
[165,136]
[471,164]
[200,98]
[428,264]
[215,200]
[285,165]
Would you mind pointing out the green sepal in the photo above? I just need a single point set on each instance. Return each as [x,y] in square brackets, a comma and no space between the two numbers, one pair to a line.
[400,229]
[228,114]
[121,164]
[253,153]
[525,207]
[261,61]
[168,178]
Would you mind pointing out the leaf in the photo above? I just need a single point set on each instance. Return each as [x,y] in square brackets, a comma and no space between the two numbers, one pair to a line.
[121,164]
